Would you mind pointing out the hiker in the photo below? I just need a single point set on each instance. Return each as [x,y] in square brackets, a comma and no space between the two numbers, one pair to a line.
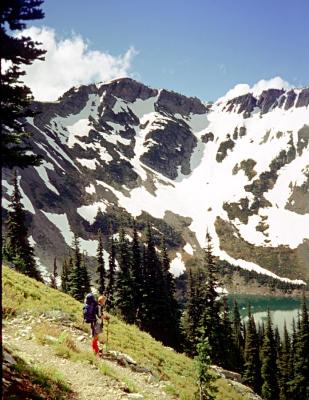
[94,314]
[97,325]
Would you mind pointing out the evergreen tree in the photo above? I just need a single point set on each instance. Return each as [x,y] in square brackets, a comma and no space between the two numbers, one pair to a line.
[228,349]
[270,389]
[194,309]
[110,289]
[124,292]
[76,276]
[210,320]
[206,388]
[284,366]
[101,265]
[238,339]
[251,375]
[16,97]
[170,311]
[65,277]
[137,275]
[152,302]
[85,278]
[53,276]
[18,251]
[300,383]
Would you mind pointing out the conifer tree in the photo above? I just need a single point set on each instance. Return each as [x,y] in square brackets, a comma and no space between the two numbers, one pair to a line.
[284,366]
[270,389]
[53,276]
[211,315]
[206,388]
[228,349]
[71,274]
[251,375]
[152,279]
[300,383]
[65,277]
[77,275]
[293,348]
[85,278]
[18,250]
[100,263]
[137,275]
[238,339]
[16,97]
[194,309]
[110,289]
[170,309]
[124,293]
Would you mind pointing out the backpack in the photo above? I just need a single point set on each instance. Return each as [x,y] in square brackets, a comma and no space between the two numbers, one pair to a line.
[90,308]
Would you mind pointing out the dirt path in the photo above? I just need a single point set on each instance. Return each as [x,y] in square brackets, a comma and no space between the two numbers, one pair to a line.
[85,379]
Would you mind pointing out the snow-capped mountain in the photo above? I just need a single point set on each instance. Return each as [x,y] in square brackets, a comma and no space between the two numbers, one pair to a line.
[237,167]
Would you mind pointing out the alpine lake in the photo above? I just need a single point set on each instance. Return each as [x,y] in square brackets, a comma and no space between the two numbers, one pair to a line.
[282,309]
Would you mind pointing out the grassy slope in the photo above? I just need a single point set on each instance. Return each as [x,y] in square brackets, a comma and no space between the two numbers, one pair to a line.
[21,294]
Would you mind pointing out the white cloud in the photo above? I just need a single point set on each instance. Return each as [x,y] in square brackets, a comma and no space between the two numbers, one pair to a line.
[70,62]
[274,83]
[256,89]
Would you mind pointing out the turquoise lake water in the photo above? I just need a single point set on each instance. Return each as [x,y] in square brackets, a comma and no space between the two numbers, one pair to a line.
[282,309]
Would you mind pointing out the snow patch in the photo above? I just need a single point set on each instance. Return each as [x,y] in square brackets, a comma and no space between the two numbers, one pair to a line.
[89,212]
[41,170]
[90,189]
[177,266]
[61,222]
[188,249]
[90,164]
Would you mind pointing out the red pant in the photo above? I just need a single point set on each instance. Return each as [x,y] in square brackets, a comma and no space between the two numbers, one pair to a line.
[95,345]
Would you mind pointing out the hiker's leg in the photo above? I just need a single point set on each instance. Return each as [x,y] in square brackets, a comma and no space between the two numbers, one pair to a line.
[95,345]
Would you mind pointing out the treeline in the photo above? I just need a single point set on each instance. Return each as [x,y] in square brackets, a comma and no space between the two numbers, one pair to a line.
[226,269]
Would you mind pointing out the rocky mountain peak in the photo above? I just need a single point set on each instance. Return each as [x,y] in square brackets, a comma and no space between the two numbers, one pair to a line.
[128,90]
[175,103]
[268,100]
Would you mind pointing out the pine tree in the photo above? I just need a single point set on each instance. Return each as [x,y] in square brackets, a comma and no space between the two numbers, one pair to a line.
[155,312]
[85,278]
[284,366]
[151,301]
[206,388]
[170,311]
[16,97]
[76,275]
[228,349]
[53,276]
[137,275]
[251,375]
[100,263]
[270,389]
[110,289]
[65,277]
[300,383]
[238,339]
[194,309]
[18,250]
[211,315]
[124,293]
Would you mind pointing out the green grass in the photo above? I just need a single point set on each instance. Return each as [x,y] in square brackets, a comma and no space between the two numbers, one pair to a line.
[22,294]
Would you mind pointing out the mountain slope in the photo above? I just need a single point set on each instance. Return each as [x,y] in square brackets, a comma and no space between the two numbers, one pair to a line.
[44,327]
[238,167]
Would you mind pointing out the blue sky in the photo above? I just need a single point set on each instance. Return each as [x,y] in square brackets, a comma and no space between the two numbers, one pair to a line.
[199,48]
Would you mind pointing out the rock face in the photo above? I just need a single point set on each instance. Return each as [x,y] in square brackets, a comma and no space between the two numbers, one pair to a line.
[237,167]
